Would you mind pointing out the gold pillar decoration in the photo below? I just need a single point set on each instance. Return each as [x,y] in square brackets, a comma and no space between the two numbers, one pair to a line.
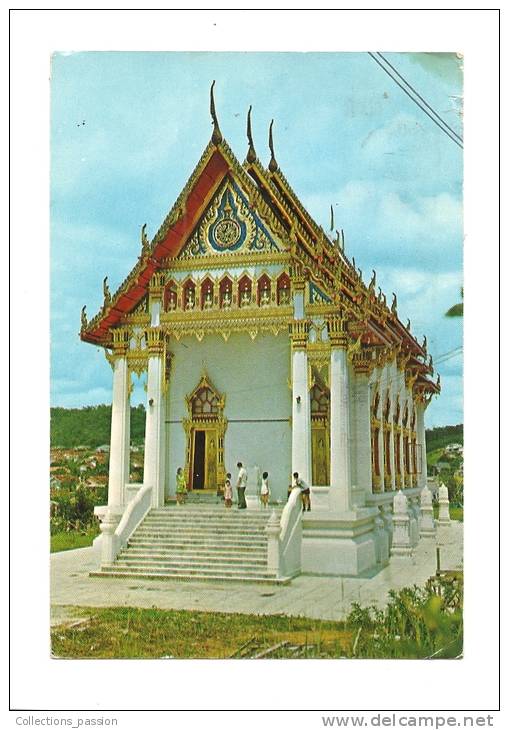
[338,333]
[156,285]
[299,333]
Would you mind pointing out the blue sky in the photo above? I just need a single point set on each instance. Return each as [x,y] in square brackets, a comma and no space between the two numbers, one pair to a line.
[344,134]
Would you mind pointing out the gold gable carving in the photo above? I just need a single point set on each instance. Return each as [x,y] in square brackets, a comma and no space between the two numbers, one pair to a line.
[230,225]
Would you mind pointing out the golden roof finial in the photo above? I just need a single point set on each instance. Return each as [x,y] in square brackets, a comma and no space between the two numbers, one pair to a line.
[273,166]
[251,154]
[84,321]
[394,305]
[216,133]
[332,218]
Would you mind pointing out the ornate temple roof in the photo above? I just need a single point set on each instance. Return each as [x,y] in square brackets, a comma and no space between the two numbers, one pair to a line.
[310,251]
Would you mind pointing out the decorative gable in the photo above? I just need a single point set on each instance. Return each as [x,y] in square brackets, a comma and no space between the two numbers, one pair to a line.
[229,225]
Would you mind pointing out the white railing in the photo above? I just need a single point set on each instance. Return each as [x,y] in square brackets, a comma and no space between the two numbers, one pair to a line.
[116,532]
[135,512]
[285,538]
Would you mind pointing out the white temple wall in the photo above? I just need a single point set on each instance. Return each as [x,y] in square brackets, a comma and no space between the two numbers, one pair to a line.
[254,377]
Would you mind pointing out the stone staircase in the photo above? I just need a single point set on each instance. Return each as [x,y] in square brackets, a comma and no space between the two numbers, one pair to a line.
[197,542]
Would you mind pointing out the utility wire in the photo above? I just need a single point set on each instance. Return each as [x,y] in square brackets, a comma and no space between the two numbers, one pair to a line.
[415,100]
[420,97]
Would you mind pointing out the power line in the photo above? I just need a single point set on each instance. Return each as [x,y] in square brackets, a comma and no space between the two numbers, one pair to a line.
[420,97]
[435,119]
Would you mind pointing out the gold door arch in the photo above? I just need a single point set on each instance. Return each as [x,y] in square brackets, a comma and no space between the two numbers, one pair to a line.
[205,428]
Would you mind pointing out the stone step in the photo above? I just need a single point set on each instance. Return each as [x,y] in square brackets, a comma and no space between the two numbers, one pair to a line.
[227,514]
[177,561]
[153,548]
[203,554]
[206,532]
[196,542]
[199,526]
[184,576]
[170,569]
[204,519]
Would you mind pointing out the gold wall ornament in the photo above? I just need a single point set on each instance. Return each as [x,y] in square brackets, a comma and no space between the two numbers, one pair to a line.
[355,348]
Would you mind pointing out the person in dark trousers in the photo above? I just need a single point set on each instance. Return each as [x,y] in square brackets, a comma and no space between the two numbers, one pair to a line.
[304,491]
[241,486]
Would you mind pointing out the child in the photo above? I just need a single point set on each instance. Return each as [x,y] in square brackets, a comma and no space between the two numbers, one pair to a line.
[228,491]
[264,491]
[181,486]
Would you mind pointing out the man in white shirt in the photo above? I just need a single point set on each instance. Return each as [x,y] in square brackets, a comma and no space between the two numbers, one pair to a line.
[241,485]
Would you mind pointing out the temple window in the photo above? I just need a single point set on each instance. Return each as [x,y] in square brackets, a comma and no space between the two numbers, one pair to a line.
[283,289]
[225,293]
[245,291]
[207,294]
[205,403]
[264,291]
[189,295]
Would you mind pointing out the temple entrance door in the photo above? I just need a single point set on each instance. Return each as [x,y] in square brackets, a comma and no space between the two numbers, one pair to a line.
[198,460]
[205,459]
[205,428]
[320,455]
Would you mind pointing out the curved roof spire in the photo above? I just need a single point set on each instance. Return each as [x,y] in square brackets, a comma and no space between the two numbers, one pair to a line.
[251,154]
[273,166]
[216,133]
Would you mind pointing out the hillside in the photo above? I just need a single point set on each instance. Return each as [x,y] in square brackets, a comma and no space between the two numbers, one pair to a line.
[90,426]
[441,436]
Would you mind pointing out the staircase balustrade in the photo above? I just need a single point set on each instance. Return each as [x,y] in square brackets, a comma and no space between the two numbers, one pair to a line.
[134,514]
[285,538]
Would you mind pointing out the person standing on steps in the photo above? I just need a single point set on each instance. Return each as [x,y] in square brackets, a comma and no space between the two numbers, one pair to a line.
[304,491]
[241,485]
[181,486]
[264,491]
[228,491]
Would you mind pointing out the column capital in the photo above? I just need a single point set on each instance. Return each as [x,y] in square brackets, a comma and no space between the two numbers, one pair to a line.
[155,341]
[156,285]
[338,333]
[297,277]
[299,329]
[120,343]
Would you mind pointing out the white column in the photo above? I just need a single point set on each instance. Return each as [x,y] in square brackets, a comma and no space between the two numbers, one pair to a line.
[381,444]
[340,498]
[301,407]
[363,432]
[153,469]
[421,444]
[120,435]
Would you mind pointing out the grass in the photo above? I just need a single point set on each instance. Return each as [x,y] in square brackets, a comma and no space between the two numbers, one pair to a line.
[138,633]
[72,540]
[416,623]
[456,513]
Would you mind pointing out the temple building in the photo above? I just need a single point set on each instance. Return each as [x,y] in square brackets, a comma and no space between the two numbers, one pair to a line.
[261,343]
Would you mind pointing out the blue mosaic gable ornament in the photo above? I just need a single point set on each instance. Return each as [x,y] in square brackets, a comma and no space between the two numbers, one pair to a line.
[229,226]
[228,232]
